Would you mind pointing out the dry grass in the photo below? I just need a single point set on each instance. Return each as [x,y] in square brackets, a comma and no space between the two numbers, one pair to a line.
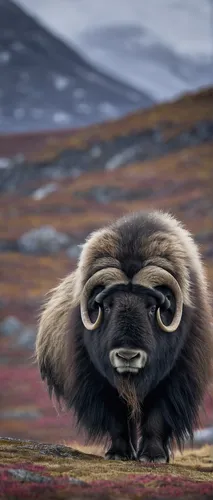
[86,465]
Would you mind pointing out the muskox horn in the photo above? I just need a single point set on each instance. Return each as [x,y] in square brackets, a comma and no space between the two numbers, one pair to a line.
[153,276]
[104,277]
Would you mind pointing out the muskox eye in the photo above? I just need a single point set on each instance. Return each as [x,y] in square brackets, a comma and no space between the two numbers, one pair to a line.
[106,308]
[152,311]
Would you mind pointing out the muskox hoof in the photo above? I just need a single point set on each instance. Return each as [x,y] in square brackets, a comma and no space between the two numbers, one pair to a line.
[121,454]
[153,453]
[156,460]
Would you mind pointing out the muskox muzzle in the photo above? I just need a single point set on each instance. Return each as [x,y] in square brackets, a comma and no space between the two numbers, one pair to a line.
[127,360]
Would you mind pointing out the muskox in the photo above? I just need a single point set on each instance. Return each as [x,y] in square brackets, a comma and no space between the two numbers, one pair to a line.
[125,340]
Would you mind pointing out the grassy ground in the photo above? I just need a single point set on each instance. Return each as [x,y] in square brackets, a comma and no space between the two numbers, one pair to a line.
[31,468]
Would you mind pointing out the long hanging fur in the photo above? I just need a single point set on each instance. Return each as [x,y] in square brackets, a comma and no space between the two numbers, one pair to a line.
[134,240]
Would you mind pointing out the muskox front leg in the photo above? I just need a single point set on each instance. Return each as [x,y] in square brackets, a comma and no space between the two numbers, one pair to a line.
[123,442]
[155,434]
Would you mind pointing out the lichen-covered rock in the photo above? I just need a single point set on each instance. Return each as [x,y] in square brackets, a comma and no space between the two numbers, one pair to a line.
[28,476]
[22,335]
[26,338]
[74,251]
[11,326]
[43,240]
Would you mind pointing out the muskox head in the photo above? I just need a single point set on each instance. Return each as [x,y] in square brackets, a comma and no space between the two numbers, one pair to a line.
[132,327]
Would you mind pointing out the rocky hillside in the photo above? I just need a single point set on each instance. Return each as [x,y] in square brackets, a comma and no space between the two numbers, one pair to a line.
[55,189]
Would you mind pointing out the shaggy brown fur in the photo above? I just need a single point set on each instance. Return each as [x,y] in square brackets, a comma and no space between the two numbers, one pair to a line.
[156,238]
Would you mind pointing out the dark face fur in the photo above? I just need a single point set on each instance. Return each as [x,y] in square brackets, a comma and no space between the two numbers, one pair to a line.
[129,323]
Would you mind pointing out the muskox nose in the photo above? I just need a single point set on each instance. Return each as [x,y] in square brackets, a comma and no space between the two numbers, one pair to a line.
[127,354]
[128,360]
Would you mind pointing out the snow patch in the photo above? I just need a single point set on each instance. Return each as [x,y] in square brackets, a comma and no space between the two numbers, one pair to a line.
[108,109]
[60,82]
[79,93]
[61,117]
[37,113]
[19,113]
[4,57]
[121,158]
[42,192]
[84,108]
[17,46]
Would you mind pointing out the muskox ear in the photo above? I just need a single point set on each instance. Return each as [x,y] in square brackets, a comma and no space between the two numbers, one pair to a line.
[51,341]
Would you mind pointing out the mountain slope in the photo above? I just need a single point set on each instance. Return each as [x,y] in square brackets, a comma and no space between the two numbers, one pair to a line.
[45,84]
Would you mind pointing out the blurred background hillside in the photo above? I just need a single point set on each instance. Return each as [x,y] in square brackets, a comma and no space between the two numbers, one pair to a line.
[105,108]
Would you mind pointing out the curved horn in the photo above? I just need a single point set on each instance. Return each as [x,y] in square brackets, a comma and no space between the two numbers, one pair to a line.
[153,276]
[104,277]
